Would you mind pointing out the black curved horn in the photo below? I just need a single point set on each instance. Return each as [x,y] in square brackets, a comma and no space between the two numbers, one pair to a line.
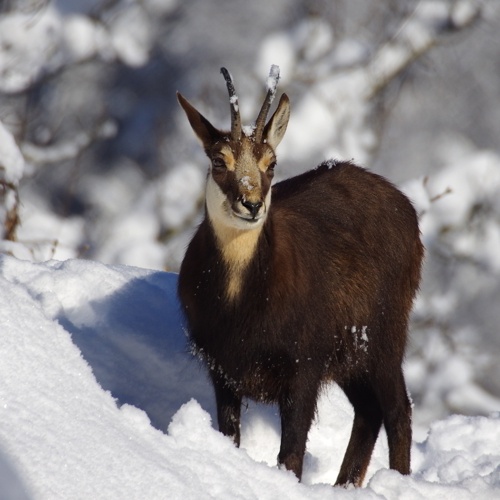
[271,84]
[233,102]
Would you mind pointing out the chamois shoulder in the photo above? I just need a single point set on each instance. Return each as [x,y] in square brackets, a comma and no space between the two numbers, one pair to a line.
[329,173]
[343,185]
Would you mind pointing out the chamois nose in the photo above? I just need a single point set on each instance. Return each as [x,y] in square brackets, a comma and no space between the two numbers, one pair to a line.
[253,208]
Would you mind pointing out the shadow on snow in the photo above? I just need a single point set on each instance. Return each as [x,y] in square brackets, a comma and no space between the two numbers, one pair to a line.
[137,348]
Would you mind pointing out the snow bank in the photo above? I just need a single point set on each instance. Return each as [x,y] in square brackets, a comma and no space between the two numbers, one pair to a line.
[100,400]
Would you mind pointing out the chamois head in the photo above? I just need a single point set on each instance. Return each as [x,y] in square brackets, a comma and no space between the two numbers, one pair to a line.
[242,161]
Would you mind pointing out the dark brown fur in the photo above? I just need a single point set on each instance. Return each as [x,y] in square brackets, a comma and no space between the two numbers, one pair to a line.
[326,297]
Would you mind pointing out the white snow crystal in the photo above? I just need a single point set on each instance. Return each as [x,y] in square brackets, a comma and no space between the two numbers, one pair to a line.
[246,183]
[364,336]
[273,78]
[248,130]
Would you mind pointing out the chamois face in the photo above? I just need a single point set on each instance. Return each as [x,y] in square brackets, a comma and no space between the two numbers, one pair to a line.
[239,181]
[238,192]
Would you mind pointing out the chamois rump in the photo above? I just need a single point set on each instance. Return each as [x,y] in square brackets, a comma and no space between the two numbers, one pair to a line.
[291,286]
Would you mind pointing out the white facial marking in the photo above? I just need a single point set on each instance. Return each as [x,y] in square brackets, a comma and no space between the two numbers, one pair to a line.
[221,212]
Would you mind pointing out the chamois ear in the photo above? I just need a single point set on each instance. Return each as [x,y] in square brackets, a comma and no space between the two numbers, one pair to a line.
[203,129]
[276,126]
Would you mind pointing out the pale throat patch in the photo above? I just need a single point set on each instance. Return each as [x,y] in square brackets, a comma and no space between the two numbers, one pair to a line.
[237,239]
[238,251]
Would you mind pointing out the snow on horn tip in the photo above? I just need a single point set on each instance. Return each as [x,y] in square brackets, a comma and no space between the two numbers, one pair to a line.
[233,101]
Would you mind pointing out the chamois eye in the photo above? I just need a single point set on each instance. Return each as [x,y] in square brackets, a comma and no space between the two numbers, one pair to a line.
[271,166]
[218,163]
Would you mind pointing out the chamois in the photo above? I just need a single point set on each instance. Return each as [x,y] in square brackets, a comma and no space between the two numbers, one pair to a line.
[289,287]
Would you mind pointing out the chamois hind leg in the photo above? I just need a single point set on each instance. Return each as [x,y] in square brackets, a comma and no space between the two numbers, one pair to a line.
[228,410]
[365,430]
[396,411]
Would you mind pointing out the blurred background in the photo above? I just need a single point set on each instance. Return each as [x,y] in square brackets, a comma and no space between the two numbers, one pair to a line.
[98,162]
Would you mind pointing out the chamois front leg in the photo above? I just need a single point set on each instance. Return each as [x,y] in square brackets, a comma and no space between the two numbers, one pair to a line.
[228,409]
[297,410]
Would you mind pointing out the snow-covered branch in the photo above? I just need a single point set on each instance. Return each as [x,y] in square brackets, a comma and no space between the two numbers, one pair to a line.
[429,22]
[68,150]
[342,80]
[40,42]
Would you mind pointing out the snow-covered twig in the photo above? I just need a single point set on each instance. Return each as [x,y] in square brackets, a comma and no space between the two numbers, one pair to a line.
[43,155]
[417,35]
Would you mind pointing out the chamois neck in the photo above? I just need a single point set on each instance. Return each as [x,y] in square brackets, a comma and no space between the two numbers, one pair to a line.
[237,247]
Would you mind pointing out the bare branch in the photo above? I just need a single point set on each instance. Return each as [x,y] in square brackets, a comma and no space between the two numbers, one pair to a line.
[10,199]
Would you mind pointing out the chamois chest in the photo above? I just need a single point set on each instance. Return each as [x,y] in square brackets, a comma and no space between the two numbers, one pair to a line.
[250,336]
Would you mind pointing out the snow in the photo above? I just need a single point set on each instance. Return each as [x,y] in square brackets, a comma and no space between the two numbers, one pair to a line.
[449,199]
[132,46]
[29,45]
[245,181]
[276,49]
[100,399]
[180,194]
[161,7]
[85,38]
[332,118]
[11,159]
[248,130]
[49,235]
[67,150]
[349,52]
[272,80]
[463,12]
[43,40]
[316,35]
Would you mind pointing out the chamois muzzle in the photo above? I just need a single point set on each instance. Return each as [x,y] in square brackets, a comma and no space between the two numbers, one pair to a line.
[253,208]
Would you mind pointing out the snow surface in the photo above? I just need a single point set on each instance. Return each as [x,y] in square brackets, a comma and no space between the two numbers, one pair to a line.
[99,399]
